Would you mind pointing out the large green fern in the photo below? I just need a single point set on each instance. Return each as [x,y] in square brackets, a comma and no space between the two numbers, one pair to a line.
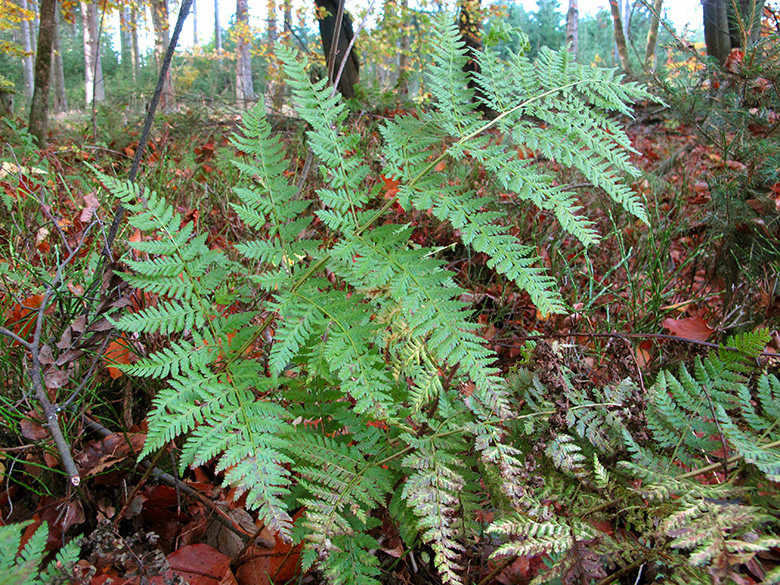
[362,403]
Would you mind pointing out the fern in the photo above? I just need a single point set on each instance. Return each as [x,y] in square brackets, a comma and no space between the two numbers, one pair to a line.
[358,402]
[23,567]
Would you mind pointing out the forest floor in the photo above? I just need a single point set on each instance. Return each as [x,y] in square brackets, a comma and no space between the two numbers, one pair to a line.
[647,297]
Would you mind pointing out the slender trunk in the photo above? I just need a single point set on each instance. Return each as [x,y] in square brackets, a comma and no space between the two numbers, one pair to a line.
[93,65]
[271,8]
[195,40]
[403,57]
[39,107]
[217,29]
[134,60]
[244,87]
[32,5]
[620,37]
[652,35]
[59,101]
[573,28]
[27,47]
[124,39]
[287,4]
[161,40]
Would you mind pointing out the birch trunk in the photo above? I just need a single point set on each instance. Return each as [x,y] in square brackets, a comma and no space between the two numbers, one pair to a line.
[27,59]
[59,101]
[134,44]
[195,40]
[244,87]
[93,65]
[124,39]
[217,29]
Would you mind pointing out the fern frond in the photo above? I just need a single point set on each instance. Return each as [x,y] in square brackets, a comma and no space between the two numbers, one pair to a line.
[528,537]
[432,493]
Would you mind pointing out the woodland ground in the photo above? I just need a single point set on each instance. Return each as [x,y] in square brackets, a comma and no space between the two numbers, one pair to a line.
[629,297]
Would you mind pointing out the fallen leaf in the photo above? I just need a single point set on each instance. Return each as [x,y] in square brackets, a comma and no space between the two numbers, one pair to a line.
[694,328]
[198,564]
[89,209]
[117,352]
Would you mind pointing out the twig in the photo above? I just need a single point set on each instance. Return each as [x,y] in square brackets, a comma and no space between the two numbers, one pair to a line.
[497,570]
[172,481]
[15,337]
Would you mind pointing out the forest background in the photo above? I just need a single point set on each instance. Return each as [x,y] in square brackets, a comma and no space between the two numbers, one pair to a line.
[501,307]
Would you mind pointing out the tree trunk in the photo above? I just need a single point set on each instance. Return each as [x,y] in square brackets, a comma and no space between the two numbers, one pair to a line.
[403,56]
[244,87]
[59,101]
[134,60]
[620,37]
[652,35]
[716,29]
[39,107]
[573,28]
[287,15]
[32,5]
[161,40]
[271,9]
[27,47]
[351,73]
[93,65]
[217,29]
[124,39]
[470,27]
[194,23]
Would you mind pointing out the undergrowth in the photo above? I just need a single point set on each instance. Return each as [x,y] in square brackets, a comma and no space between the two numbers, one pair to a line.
[333,367]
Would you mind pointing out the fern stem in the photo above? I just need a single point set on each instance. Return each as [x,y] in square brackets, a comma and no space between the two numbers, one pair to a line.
[714,466]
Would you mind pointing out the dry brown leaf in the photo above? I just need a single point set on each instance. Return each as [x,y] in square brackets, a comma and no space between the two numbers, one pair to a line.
[694,328]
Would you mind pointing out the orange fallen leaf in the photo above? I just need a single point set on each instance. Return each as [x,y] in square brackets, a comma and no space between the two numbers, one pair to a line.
[21,317]
[694,328]
[117,352]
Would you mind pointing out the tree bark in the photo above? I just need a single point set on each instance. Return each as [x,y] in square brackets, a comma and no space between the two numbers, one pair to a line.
[93,65]
[161,40]
[244,86]
[351,73]
[59,101]
[217,29]
[573,28]
[620,37]
[134,60]
[194,10]
[403,55]
[716,30]
[39,107]
[652,35]
[287,15]
[27,47]
[271,11]
[470,27]
[125,42]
